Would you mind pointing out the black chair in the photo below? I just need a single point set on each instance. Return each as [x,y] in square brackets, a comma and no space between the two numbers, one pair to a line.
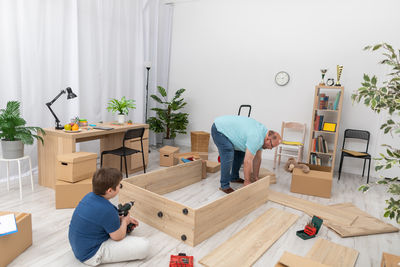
[126,151]
[356,134]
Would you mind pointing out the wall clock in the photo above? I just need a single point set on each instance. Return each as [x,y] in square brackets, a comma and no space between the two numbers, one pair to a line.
[282,78]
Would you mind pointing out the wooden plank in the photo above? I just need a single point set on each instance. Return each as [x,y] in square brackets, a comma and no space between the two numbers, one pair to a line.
[215,216]
[365,224]
[332,254]
[169,179]
[390,260]
[292,260]
[325,212]
[246,246]
[148,205]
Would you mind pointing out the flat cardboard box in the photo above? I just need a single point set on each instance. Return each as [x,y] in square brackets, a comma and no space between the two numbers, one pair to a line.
[212,166]
[318,182]
[390,260]
[167,158]
[75,167]
[68,194]
[14,244]
[199,141]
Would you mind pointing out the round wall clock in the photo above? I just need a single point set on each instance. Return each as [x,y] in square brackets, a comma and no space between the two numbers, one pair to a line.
[282,78]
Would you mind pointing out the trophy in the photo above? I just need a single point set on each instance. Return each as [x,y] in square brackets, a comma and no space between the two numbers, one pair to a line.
[339,69]
[323,72]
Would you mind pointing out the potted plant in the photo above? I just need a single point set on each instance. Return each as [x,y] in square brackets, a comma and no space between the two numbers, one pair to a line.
[169,120]
[13,132]
[121,107]
[385,98]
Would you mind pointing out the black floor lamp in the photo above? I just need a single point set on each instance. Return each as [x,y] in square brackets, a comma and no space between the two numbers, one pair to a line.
[147,65]
[70,95]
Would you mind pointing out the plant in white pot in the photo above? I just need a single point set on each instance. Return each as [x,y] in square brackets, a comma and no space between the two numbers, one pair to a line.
[121,107]
[13,132]
[168,119]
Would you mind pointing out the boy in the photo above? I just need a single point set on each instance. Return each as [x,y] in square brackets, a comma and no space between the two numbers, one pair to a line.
[96,233]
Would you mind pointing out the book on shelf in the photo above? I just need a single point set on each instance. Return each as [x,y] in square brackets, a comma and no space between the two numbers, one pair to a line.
[323,101]
[319,121]
[320,145]
[336,103]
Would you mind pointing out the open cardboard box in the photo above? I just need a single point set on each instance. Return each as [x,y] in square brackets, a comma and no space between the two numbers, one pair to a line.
[14,244]
[318,182]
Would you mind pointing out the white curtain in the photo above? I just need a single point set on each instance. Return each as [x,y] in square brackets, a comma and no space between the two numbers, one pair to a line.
[96,47]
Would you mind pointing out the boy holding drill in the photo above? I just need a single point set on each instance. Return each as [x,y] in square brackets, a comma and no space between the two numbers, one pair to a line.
[96,233]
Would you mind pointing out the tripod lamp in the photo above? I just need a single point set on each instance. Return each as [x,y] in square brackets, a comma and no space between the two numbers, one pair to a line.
[70,95]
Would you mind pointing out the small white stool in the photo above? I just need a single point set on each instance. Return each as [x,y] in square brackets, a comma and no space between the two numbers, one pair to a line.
[19,172]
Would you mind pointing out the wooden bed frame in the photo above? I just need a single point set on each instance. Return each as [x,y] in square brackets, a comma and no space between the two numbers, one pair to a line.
[182,222]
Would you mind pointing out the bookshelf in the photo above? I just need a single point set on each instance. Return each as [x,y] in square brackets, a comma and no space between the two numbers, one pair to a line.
[327,108]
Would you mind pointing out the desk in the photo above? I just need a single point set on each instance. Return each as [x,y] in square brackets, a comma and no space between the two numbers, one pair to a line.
[59,142]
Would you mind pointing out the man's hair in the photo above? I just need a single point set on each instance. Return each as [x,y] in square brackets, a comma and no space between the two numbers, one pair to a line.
[272,134]
[105,178]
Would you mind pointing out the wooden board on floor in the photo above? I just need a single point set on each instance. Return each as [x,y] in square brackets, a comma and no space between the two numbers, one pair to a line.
[292,260]
[246,246]
[365,224]
[325,212]
[332,254]
[390,260]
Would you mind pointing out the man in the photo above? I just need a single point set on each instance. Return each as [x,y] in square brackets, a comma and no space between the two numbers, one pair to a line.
[241,140]
[96,233]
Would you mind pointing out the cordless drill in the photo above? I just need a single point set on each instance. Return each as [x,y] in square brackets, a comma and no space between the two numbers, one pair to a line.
[123,210]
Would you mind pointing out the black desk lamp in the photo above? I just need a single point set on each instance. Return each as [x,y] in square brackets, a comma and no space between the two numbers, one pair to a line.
[69,96]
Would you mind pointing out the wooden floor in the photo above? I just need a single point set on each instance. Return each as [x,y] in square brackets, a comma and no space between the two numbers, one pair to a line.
[50,226]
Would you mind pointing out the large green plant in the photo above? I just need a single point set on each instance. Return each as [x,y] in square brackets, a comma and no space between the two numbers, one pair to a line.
[168,119]
[12,126]
[121,106]
[385,98]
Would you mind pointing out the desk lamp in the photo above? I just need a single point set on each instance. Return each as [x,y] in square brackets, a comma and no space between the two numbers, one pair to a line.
[69,96]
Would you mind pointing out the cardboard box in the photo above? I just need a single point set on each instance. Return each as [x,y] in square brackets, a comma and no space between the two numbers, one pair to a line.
[212,166]
[187,155]
[390,260]
[68,194]
[14,244]
[318,182]
[167,158]
[74,167]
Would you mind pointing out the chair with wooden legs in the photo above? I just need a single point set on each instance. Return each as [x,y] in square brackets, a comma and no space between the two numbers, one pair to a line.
[293,135]
[126,151]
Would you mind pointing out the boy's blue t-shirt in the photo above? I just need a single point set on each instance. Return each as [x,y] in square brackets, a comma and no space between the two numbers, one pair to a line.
[243,132]
[93,219]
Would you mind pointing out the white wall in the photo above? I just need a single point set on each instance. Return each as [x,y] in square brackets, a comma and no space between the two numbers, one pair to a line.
[227,52]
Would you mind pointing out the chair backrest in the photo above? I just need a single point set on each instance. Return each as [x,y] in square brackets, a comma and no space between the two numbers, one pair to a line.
[133,133]
[293,126]
[356,134]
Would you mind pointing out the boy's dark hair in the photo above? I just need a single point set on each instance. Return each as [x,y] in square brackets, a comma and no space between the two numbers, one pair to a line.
[105,178]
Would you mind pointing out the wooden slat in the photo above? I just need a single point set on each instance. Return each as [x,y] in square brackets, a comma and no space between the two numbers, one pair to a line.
[365,224]
[325,212]
[215,216]
[390,260]
[147,206]
[332,254]
[292,260]
[246,246]
[170,179]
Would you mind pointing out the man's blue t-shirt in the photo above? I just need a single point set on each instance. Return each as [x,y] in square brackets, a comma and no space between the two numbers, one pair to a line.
[93,219]
[243,132]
